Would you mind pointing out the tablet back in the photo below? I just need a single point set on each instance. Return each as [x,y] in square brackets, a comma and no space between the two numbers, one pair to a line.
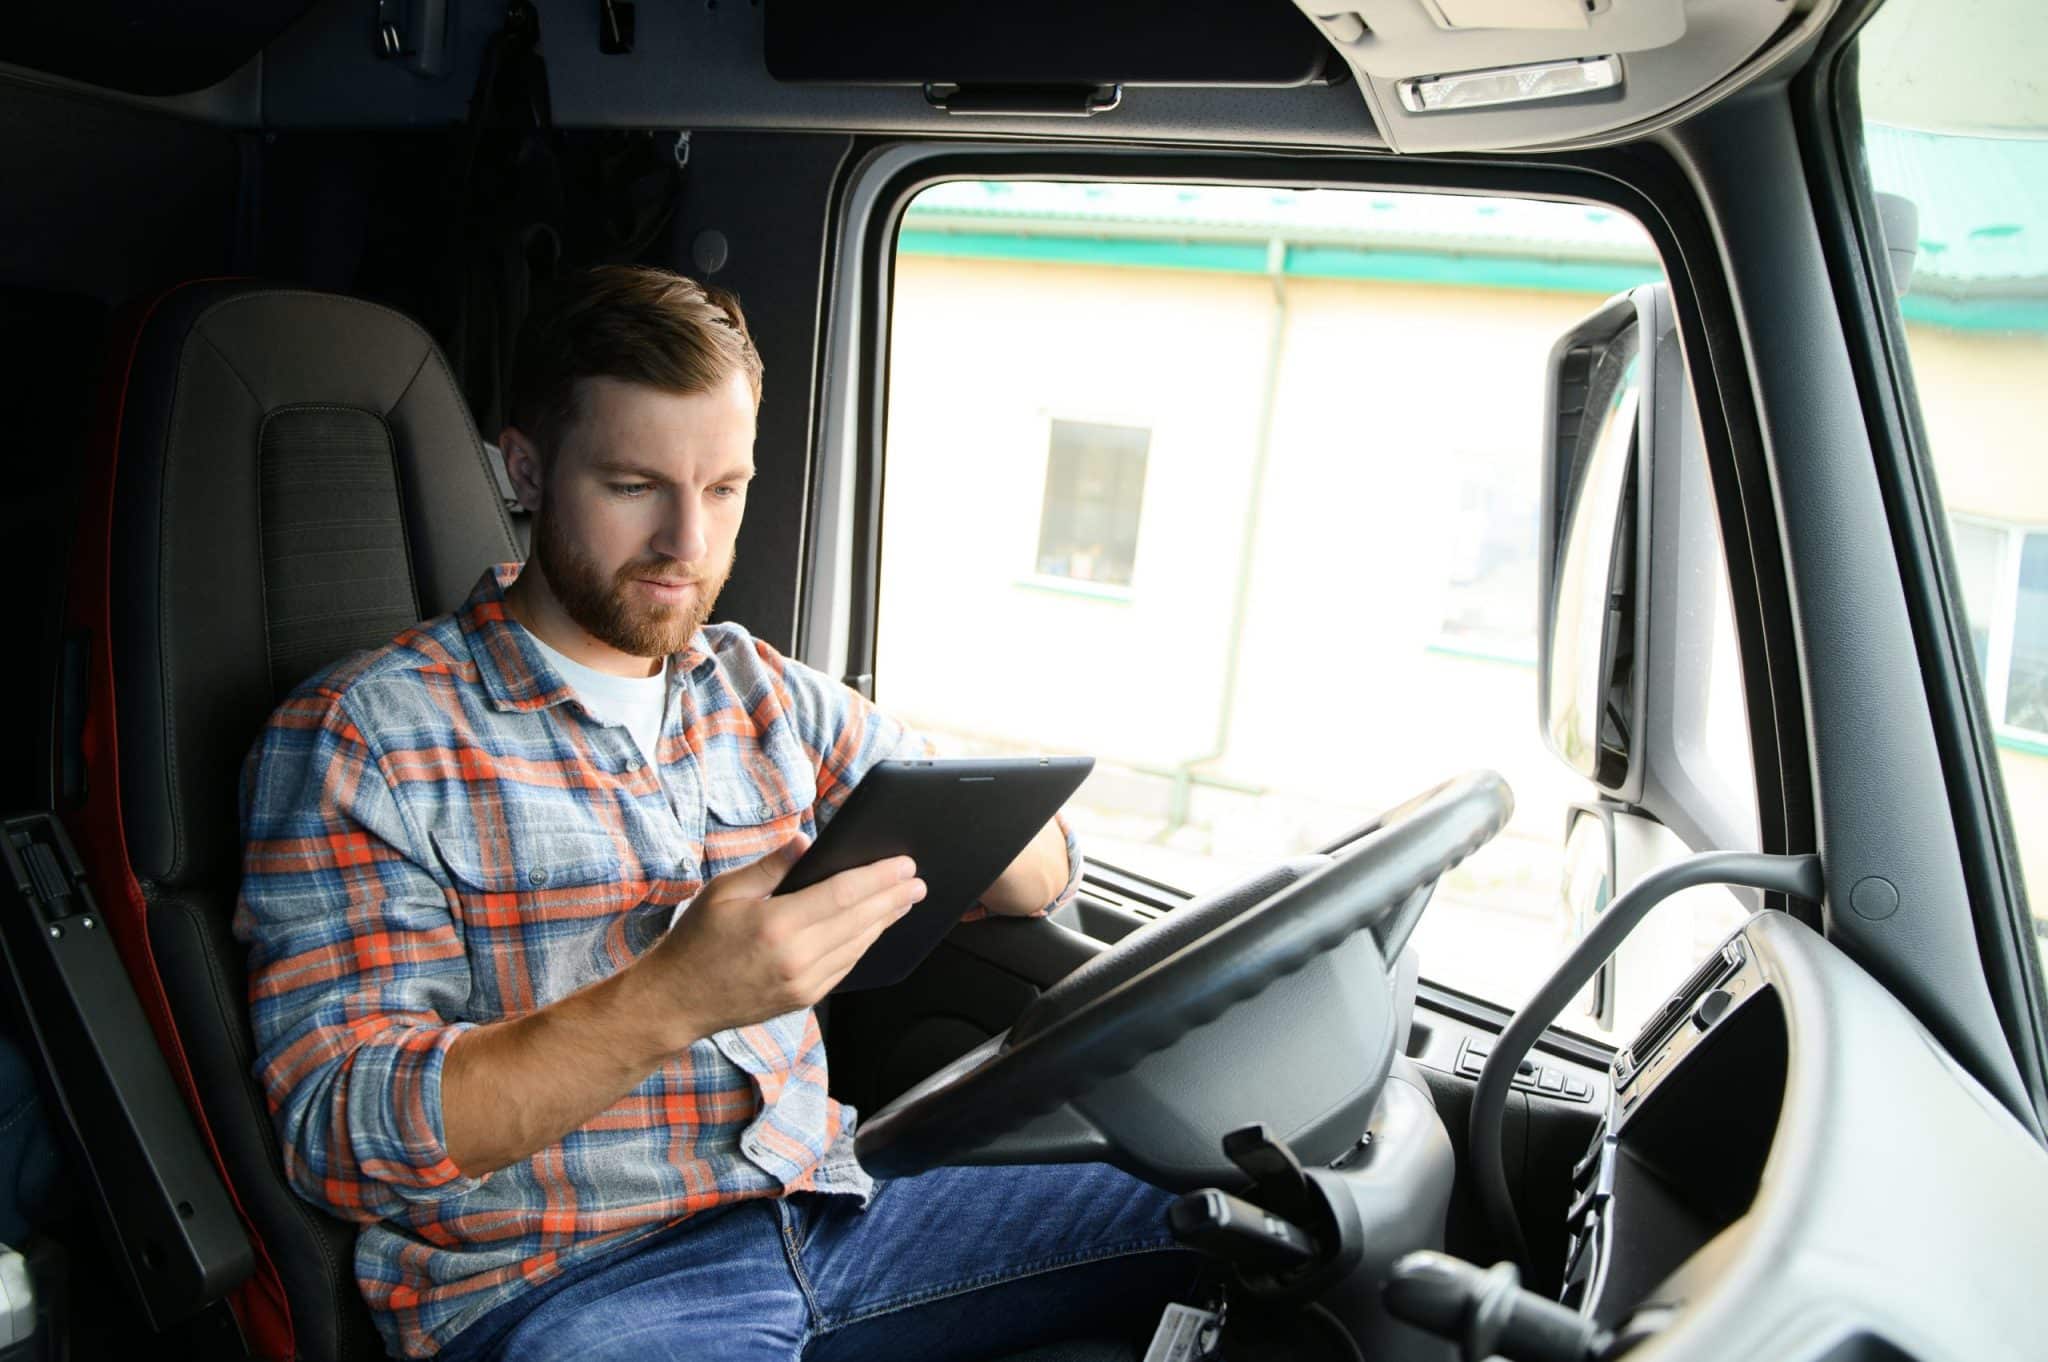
[962,820]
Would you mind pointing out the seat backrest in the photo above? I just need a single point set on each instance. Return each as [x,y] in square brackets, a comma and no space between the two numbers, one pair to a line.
[283,477]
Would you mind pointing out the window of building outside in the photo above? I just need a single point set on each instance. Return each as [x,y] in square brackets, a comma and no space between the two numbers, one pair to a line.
[1266,548]
[1094,487]
[2004,573]
[1956,123]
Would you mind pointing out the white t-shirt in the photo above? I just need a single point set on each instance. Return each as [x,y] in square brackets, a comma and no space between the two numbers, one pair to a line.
[635,701]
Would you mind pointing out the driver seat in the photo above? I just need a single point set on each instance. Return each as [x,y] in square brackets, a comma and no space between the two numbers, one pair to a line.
[280,477]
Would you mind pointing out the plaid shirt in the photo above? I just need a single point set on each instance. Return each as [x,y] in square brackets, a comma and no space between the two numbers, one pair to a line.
[438,835]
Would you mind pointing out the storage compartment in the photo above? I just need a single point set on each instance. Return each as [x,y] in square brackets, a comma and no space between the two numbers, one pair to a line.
[1685,1164]
[1044,43]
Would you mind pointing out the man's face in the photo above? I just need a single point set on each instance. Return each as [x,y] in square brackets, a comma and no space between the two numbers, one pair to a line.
[637,516]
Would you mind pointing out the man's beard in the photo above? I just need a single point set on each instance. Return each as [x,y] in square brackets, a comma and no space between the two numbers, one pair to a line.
[606,609]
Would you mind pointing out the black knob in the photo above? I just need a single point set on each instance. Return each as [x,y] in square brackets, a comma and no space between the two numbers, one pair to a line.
[1486,1311]
[1712,1008]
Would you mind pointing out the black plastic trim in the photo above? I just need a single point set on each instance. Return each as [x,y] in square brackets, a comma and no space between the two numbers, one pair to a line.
[155,1187]
[1493,1019]
[1888,825]
[1827,113]
[1133,887]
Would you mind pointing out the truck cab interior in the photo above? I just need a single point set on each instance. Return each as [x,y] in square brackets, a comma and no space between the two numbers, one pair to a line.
[262,264]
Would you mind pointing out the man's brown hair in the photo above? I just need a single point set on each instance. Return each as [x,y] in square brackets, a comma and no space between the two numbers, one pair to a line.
[634,323]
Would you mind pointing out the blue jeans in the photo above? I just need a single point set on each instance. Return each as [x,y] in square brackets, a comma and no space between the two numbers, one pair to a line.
[957,1263]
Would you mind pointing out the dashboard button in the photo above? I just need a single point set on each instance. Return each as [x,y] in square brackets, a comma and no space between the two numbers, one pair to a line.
[1550,1080]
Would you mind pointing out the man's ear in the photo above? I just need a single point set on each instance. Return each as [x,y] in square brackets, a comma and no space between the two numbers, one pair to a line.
[523,466]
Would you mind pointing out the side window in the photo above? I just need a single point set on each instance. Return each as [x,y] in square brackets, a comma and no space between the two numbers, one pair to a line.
[1236,490]
[1954,127]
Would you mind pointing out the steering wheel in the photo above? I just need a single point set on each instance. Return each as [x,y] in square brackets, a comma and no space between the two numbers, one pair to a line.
[1120,1060]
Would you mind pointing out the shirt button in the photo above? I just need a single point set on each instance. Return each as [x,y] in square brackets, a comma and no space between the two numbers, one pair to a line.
[536,878]
[632,763]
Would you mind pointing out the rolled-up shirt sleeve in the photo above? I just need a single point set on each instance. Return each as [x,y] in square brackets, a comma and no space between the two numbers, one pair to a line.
[1074,867]
[355,962]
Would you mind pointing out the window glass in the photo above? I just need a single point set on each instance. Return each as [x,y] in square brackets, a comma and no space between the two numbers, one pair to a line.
[1956,127]
[1236,490]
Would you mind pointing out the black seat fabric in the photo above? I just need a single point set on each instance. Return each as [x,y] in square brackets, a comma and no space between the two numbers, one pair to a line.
[296,478]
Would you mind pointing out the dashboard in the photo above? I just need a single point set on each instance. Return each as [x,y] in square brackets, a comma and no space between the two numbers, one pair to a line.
[1790,1167]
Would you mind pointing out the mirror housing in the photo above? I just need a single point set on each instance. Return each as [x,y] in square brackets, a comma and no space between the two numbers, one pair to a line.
[1603,414]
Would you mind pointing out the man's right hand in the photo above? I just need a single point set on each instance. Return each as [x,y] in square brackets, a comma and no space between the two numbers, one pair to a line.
[735,957]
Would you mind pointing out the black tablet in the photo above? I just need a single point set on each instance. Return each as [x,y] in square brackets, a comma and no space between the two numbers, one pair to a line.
[962,820]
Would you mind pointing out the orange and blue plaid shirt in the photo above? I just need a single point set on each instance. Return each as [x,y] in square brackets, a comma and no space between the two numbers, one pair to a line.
[438,835]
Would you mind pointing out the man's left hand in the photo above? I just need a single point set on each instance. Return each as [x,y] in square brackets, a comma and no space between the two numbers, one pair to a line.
[1034,879]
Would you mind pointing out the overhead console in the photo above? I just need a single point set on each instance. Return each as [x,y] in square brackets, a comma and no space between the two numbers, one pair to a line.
[1043,43]
[1468,75]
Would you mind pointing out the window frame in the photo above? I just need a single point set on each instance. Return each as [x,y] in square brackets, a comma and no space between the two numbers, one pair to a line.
[1652,189]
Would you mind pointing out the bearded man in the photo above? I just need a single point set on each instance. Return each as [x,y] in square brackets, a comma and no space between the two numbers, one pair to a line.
[524,1008]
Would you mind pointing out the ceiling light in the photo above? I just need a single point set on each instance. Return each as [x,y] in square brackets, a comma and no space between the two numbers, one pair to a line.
[1510,84]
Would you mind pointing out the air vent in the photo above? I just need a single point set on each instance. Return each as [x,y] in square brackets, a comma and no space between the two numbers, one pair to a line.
[1665,1020]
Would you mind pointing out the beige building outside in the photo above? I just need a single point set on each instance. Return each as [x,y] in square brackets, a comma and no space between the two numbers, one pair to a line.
[1236,491]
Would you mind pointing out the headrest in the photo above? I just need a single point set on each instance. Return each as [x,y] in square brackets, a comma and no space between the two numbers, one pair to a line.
[296,478]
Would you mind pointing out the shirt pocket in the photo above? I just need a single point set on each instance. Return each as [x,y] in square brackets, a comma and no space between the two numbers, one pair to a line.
[755,799]
[529,862]
[545,911]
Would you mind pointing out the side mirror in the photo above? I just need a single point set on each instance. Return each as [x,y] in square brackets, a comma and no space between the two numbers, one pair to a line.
[1593,553]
